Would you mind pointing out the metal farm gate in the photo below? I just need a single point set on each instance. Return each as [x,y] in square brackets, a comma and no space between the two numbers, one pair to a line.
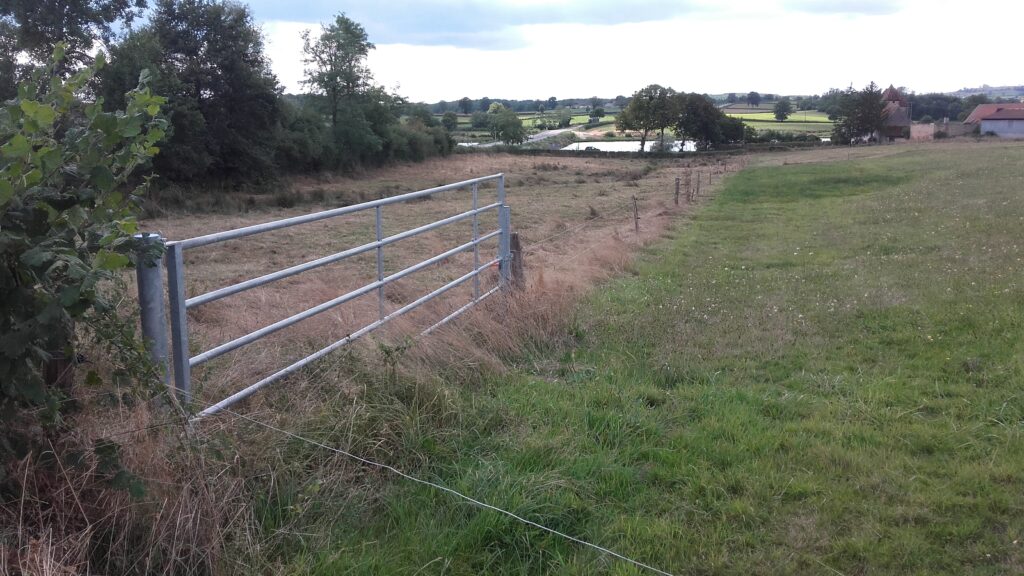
[176,355]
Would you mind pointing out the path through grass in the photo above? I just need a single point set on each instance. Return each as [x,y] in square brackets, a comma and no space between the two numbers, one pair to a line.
[821,374]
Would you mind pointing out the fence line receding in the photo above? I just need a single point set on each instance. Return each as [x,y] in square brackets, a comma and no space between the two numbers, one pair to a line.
[176,355]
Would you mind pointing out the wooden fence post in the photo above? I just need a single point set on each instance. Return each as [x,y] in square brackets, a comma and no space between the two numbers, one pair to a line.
[636,216]
[516,249]
[677,190]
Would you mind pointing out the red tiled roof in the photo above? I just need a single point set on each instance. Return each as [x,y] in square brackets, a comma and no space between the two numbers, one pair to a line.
[985,110]
[891,94]
[895,115]
[1006,114]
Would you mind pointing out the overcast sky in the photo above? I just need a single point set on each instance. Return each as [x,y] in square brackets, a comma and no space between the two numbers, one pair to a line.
[445,49]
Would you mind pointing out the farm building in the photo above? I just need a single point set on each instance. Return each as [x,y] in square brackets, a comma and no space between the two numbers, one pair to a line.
[983,110]
[897,116]
[1005,123]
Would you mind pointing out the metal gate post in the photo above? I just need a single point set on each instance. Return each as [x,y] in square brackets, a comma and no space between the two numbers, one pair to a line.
[504,245]
[179,321]
[149,274]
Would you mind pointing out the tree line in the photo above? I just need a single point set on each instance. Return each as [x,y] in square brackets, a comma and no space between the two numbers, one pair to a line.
[228,118]
[691,116]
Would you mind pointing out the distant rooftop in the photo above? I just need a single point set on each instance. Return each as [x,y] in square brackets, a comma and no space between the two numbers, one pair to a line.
[1006,114]
[985,110]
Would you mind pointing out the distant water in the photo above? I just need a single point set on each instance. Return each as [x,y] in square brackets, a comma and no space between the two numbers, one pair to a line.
[629,146]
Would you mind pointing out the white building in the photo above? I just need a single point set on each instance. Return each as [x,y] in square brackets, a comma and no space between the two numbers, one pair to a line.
[1005,123]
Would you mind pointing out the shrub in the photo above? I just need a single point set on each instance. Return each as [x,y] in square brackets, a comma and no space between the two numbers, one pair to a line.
[67,202]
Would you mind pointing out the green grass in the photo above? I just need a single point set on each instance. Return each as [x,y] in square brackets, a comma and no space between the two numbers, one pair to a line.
[820,374]
[803,117]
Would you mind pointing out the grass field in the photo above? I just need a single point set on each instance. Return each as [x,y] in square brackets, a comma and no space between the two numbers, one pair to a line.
[820,374]
[805,117]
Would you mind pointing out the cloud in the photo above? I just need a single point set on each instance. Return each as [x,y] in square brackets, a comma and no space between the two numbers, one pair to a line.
[488,25]
[865,7]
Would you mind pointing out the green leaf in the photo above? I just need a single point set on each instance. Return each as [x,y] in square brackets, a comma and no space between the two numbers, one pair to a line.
[107,260]
[6,192]
[102,178]
[40,113]
[16,147]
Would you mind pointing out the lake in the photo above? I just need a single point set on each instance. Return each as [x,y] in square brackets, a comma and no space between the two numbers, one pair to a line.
[628,146]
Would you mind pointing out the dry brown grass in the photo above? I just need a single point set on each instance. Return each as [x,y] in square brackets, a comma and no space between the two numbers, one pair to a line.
[553,201]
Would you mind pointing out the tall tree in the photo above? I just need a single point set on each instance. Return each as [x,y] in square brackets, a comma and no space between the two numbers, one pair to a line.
[465,105]
[223,101]
[336,62]
[783,109]
[651,109]
[37,26]
[484,104]
[753,98]
[731,98]
[699,120]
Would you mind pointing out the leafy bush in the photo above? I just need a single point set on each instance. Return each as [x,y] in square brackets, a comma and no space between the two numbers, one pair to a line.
[67,199]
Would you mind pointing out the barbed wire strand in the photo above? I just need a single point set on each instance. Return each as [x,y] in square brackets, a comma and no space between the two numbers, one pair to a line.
[450,491]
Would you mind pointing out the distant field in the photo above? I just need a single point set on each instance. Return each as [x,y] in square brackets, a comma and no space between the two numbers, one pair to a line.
[805,116]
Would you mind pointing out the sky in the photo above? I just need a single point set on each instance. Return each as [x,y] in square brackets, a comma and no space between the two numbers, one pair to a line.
[430,50]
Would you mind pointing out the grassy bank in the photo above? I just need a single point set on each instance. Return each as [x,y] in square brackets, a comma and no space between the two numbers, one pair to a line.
[821,374]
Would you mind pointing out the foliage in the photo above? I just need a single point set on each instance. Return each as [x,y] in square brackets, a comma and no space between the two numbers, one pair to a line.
[479,120]
[859,114]
[450,121]
[223,102]
[37,26]
[701,121]
[336,63]
[652,108]
[67,199]
[465,105]
[506,126]
[753,98]
[783,109]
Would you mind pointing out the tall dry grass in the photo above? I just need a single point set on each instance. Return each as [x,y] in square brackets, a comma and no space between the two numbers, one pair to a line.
[213,491]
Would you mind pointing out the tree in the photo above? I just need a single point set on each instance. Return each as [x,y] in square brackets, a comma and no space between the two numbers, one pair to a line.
[753,99]
[479,120]
[651,109]
[39,25]
[223,100]
[69,180]
[783,109]
[505,125]
[731,98]
[594,102]
[859,114]
[484,104]
[700,120]
[732,129]
[450,121]
[336,62]
[552,103]
[564,117]
[598,112]
[465,105]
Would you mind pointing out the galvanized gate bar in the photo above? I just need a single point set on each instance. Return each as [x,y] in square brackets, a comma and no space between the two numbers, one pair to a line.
[307,218]
[313,264]
[281,324]
[248,391]
[459,312]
